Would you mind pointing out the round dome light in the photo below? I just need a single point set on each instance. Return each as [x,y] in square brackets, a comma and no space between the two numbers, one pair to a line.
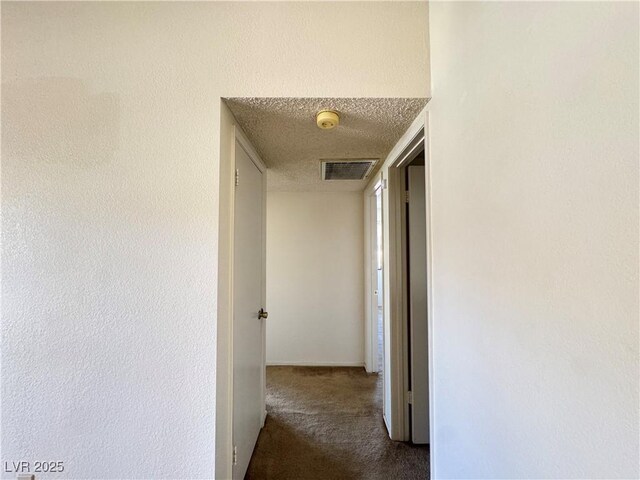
[327,119]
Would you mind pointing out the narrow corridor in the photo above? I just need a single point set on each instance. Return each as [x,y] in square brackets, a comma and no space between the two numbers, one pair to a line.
[326,423]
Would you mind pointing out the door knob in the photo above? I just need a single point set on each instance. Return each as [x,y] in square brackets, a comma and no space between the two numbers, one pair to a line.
[262,313]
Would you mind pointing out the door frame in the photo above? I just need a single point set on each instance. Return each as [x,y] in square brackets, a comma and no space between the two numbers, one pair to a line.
[230,131]
[400,259]
[395,295]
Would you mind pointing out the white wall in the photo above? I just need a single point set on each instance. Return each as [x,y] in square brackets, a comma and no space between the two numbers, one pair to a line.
[111,156]
[534,153]
[315,278]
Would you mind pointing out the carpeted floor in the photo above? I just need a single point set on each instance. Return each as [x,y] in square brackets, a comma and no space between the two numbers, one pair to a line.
[326,423]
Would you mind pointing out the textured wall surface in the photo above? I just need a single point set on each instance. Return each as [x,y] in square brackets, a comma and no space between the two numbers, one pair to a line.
[285,133]
[315,278]
[110,159]
[534,143]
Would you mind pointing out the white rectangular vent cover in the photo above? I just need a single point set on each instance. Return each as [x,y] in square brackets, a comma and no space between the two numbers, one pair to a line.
[347,169]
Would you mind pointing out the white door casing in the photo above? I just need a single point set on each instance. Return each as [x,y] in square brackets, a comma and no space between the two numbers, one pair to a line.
[248,298]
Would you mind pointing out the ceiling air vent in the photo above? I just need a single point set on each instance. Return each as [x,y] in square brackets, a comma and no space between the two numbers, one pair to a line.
[347,169]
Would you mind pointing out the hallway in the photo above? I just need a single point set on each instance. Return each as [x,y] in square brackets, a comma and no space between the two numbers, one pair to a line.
[326,423]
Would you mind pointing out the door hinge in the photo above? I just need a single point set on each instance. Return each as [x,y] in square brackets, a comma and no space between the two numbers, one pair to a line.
[410,398]
[406,196]
[237,177]
[235,455]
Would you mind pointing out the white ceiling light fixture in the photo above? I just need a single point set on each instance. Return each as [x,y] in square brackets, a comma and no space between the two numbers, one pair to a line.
[327,119]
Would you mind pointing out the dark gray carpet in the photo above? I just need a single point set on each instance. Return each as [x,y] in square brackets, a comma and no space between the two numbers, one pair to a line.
[326,423]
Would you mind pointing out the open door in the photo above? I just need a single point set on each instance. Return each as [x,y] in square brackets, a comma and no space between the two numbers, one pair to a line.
[248,302]
[417,302]
[407,301]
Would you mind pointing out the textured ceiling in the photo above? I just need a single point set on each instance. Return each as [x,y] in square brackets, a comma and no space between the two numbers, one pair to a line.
[284,132]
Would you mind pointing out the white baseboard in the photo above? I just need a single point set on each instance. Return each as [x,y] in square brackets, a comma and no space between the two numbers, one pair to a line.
[314,364]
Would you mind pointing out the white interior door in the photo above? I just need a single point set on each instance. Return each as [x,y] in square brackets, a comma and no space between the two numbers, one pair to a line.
[376,337]
[419,358]
[248,327]
[379,279]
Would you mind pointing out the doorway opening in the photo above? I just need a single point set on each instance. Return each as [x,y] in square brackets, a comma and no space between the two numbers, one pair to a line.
[410,289]
[318,311]
[415,311]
